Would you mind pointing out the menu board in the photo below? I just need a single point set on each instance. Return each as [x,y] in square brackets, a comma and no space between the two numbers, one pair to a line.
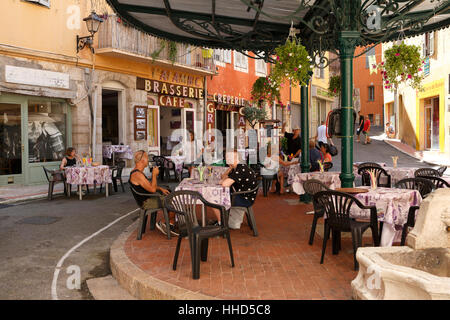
[140,123]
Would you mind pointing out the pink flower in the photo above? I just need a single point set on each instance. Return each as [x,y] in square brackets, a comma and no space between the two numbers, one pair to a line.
[295,69]
[420,69]
[387,81]
[409,76]
[278,58]
[374,66]
[423,61]
[385,87]
[382,63]
[397,54]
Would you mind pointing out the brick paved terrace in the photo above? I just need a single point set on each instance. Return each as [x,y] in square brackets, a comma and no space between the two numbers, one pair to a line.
[278,264]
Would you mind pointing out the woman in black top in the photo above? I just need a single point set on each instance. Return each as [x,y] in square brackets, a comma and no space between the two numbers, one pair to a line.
[70,159]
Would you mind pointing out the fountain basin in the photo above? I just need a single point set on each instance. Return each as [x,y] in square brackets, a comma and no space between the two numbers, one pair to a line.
[393,273]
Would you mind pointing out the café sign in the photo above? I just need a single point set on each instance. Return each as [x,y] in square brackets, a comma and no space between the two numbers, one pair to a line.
[169,89]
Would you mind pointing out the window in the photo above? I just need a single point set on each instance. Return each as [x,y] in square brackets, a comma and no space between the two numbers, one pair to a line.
[222,56]
[240,62]
[260,67]
[46,131]
[369,53]
[320,70]
[371,93]
[428,44]
[42,2]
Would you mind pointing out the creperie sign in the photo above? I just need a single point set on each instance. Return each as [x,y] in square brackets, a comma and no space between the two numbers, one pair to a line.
[230,100]
[170,89]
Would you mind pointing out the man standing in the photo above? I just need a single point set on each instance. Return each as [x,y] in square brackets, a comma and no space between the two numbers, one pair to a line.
[366,130]
[321,136]
[294,141]
[360,126]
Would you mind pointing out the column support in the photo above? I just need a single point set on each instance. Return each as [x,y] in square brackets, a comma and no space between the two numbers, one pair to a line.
[304,125]
[348,40]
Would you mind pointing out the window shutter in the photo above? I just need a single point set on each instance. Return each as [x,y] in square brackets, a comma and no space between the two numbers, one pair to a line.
[431,43]
[227,56]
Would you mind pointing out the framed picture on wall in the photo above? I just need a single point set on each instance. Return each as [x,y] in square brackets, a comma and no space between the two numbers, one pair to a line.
[140,123]
[140,112]
[141,135]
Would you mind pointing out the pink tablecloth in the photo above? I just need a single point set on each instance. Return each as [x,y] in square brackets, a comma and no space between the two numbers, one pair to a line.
[216,173]
[392,208]
[178,161]
[123,150]
[330,179]
[88,175]
[211,192]
[399,173]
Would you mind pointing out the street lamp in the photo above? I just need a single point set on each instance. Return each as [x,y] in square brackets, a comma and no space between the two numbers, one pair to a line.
[93,22]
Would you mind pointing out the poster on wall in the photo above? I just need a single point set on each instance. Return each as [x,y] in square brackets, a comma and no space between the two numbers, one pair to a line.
[140,123]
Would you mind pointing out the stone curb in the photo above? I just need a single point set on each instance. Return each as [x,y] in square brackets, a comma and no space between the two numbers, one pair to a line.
[140,284]
[415,157]
[33,197]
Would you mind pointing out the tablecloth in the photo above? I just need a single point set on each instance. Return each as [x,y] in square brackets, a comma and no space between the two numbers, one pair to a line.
[330,179]
[392,208]
[124,151]
[214,193]
[88,175]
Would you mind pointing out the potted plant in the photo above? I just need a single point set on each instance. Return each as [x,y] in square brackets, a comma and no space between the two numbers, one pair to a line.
[254,114]
[264,89]
[292,63]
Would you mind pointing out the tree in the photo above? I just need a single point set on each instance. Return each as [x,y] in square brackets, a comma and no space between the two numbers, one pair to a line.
[254,114]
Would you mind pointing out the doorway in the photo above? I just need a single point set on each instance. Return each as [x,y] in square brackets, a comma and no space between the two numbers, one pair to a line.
[110,117]
[172,119]
[432,124]
[11,147]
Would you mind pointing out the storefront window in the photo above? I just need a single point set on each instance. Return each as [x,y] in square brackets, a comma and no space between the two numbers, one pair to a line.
[10,139]
[46,131]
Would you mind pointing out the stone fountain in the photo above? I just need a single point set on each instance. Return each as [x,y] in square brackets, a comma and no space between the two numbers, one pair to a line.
[420,270]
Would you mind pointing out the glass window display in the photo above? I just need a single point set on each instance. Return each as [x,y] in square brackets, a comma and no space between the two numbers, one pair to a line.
[46,131]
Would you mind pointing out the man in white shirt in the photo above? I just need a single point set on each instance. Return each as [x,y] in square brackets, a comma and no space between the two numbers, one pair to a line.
[321,136]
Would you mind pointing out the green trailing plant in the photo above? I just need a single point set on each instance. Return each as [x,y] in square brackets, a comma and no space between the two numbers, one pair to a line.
[254,114]
[265,90]
[173,50]
[155,54]
[402,64]
[284,144]
[292,63]
[334,86]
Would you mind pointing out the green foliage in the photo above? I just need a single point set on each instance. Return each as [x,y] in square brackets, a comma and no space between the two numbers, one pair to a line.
[172,51]
[265,90]
[254,114]
[284,144]
[155,54]
[334,86]
[293,63]
[402,64]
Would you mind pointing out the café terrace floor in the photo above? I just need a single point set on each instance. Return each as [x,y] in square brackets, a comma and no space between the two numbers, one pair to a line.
[278,264]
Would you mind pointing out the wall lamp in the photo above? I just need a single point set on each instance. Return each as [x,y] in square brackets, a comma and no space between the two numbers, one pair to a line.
[93,22]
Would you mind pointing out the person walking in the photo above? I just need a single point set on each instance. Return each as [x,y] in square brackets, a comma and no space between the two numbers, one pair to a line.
[366,130]
[360,126]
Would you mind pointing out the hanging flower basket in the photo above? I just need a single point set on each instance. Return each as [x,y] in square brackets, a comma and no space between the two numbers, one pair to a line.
[334,86]
[402,64]
[292,63]
[264,89]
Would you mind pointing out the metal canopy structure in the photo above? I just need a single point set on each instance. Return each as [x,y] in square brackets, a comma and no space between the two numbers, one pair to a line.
[262,25]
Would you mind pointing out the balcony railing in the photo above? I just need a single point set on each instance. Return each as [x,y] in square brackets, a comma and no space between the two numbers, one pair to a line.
[113,34]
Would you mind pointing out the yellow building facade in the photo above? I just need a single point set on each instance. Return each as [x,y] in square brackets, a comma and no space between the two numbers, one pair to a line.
[424,114]
[51,96]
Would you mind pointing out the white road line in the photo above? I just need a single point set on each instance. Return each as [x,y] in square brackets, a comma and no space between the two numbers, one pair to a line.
[61,261]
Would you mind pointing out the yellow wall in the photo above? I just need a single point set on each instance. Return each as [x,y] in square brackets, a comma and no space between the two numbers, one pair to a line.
[49,34]
[432,89]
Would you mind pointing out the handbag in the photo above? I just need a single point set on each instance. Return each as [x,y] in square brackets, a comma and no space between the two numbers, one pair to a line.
[333,150]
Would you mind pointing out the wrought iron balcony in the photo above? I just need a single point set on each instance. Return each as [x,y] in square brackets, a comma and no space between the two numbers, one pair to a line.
[119,40]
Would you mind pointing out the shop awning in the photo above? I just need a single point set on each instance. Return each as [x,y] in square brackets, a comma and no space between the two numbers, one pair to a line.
[262,25]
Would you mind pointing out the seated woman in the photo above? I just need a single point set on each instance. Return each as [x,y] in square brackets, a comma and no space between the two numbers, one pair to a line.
[325,149]
[277,165]
[70,159]
[390,132]
[142,185]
